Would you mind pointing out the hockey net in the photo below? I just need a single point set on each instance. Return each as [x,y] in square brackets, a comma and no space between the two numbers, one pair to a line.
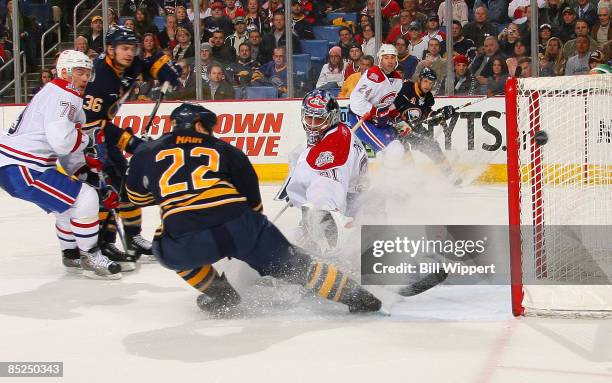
[560,195]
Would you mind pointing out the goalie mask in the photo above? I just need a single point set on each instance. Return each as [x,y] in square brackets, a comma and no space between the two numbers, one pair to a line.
[320,112]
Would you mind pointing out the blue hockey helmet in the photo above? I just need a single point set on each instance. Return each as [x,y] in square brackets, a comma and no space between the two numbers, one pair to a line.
[187,114]
[428,73]
[320,112]
[121,35]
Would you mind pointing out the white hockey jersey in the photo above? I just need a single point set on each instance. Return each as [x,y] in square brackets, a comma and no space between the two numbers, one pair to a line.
[375,89]
[325,173]
[48,129]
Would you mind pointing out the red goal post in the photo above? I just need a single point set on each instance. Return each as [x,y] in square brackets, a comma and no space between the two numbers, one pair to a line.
[560,195]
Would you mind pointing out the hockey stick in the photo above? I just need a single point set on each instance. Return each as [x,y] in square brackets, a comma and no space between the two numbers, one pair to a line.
[277,216]
[164,89]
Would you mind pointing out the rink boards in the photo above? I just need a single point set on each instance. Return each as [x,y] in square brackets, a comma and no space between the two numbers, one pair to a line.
[267,130]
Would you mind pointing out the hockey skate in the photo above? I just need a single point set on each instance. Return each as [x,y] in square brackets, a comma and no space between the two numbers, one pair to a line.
[142,248]
[127,261]
[220,299]
[71,258]
[97,266]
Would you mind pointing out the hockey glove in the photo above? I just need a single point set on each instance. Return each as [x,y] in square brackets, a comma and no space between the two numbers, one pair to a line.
[109,198]
[124,139]
[380,115]
[127,82]
[95,153]
[403,128]
[446,112]
[162,68]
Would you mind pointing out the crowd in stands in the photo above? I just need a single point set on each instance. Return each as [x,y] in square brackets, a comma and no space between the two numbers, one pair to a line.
[243,42]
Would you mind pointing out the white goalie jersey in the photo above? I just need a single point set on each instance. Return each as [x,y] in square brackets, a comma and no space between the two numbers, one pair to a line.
[47,131]
[326,173]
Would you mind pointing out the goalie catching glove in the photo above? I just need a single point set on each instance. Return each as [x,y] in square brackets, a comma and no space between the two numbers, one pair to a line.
[328,229]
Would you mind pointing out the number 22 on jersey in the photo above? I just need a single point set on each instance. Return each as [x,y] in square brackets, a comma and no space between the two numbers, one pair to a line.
[197,176]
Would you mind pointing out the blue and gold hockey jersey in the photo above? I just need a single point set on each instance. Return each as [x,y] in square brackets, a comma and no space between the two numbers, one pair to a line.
[197,180]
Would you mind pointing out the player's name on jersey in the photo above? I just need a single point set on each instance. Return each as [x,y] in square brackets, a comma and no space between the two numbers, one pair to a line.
[456,268]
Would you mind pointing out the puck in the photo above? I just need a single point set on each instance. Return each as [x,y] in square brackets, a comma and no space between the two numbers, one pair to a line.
[541,138]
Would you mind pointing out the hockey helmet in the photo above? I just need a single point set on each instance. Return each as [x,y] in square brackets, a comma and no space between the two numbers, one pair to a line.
[322,105]
[428,73]
[121,35]
[185,116]
[70,59]
[387,49]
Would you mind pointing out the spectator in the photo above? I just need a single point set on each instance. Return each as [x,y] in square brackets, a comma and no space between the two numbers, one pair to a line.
[128,22]
[595,58]
[276,38]
[461,45]
[388,8]
[241,71]
[363,21]
[581,29]
[520,51]
[239,36]
[406,61]
[465,82]
[416,45]
[181,18]
[346,40]
[460,12]
[496,83]
[431,59]
[412,7]
[205,10]
[149,45]
[566,31]
[508,37]
[480,28]
[550,14]
[217,88]
[95,36]
[587,11]
[217,20]
[354,61]
[332,73]
[186,89]
[524,68]
[184,48]
[255,44]
[207,60]
[45,77]
[113,17]
[429,6]
[270,8]
[143,24]
[518,10]
[254,16]
[167,37]
[579,63]
[130,7]
[169,6]
[351,81]
[481,66]
[400,29]
[274,72]
[301,27]
[313,12]
[497,11]
[80,44]
[545,33]
[552,62]
[433,31]
[221,52]
[602,32]
[231,10]
[368,46]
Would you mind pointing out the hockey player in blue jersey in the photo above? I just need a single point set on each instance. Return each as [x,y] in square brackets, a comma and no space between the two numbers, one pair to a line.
[211,208]
[46,133]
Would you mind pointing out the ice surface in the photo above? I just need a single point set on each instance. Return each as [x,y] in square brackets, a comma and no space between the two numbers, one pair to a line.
[147,328]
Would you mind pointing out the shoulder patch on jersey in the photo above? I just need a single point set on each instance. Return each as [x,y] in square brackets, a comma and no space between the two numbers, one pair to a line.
[67,86]
[375,74]
[332,151]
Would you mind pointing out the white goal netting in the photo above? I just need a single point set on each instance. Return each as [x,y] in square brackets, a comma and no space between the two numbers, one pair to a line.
[565,197]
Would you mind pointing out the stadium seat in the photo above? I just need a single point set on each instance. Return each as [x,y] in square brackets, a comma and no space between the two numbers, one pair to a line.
[301,66]
[347,16]
[261,92]
[316,48]
[326,32]
[160,22]
[238,92]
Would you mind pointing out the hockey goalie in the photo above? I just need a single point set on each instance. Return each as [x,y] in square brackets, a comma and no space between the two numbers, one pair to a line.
[327,176]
